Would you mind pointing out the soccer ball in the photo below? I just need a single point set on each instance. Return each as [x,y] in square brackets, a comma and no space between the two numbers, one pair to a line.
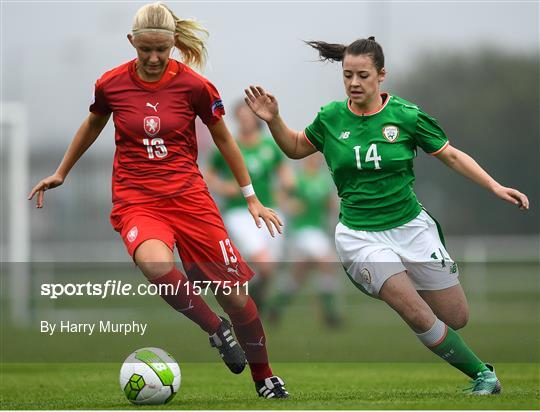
[150,376]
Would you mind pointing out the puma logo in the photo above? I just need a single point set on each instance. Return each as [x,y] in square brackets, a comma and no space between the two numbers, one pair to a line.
[233,270]
[188,307]
[259,343]
[153,106]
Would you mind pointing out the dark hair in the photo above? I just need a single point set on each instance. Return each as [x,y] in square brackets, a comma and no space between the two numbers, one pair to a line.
[337,52]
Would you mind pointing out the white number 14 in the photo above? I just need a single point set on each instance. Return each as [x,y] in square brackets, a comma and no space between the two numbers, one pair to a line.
[371,156]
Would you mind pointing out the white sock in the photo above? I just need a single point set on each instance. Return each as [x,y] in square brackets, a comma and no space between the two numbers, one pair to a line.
[435,335]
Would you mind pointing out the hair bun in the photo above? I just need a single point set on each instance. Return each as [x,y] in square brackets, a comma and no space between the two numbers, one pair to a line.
[371,38]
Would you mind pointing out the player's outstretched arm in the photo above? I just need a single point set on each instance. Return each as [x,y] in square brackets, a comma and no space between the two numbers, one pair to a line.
[83,139]
[467,166]
[232,155]
[265,106]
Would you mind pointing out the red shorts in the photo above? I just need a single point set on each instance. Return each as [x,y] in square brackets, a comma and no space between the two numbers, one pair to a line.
[194,225]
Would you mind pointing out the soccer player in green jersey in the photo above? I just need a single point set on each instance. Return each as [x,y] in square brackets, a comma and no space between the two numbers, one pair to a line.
[266,166]
[307,209]
[389,246]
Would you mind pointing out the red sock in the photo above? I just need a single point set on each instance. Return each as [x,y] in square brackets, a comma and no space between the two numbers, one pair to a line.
[250,334]
[186,302]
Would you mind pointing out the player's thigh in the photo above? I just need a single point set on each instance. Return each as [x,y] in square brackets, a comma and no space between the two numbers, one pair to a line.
[367,261]
[154,258]
[149,240]
[450,305]
[399,293]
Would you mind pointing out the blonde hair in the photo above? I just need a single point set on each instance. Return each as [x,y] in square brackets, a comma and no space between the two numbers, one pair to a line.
[189,36]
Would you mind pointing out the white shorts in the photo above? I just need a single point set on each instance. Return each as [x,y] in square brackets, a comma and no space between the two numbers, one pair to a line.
[311,243]
[249,239]
[370,258]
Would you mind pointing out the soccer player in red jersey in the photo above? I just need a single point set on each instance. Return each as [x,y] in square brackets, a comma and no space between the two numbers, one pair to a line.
[159,196]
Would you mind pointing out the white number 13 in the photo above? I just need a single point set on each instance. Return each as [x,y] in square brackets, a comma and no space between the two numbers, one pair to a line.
[160,150]
[228,252]
[371,156]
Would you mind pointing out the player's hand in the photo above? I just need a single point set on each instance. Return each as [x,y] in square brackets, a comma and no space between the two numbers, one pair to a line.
[512,196]
[263,104]
[269,216]
[46,184]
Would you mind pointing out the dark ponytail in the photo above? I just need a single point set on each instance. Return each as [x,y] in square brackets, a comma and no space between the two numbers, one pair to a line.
[337,52]
[328,51]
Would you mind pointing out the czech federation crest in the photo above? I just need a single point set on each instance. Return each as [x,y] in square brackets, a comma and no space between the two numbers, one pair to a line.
[132,234]
[390,133]
[151,125]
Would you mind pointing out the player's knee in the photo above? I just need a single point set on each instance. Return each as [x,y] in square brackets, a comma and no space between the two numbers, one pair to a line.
[459,319]
[154,258]
[154,270]
[232,302]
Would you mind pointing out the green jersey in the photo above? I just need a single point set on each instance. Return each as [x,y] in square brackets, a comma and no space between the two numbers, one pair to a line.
[262,160]
[314,193]
[371,157]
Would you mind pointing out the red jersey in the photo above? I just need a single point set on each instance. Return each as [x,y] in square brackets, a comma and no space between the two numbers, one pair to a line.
[156,144]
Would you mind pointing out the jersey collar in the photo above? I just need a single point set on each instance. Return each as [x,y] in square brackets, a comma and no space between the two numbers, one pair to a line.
[173,68]
[386,96]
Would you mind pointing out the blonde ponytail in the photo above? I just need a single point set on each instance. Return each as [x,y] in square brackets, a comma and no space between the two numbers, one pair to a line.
[189,36]
[190,39]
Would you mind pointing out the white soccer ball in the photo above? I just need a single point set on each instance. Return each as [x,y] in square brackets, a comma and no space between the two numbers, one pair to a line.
[150,376]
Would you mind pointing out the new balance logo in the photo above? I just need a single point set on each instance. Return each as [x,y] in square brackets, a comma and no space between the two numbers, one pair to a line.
[153,106]
[443,259]
[188,307]
[259,343]
[344,135]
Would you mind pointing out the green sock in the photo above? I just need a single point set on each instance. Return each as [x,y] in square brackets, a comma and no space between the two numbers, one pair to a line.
[446,343]
[328,303]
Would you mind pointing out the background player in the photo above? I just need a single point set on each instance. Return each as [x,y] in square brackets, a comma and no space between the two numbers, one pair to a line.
[159,197]
[310,251]
[272,179]
[390,247]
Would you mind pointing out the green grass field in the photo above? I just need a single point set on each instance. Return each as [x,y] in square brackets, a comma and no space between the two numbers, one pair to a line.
[312,386]
[373,362]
